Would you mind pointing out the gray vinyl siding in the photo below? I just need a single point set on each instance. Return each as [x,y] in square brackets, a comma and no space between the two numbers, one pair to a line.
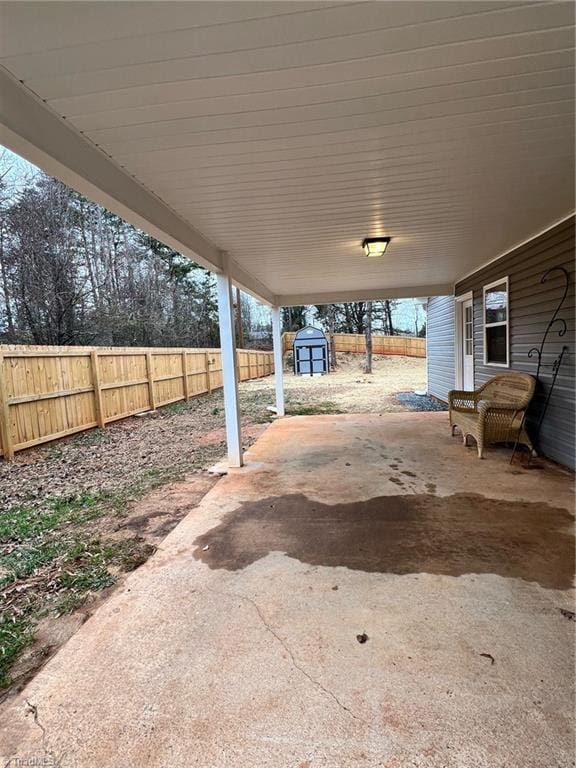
[440,345]
[532,305]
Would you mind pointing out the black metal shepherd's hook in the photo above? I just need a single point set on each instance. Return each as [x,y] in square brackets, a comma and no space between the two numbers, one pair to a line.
[540,350]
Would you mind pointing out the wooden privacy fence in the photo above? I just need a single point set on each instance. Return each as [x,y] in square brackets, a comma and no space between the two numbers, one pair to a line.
[411,346]
[50,392]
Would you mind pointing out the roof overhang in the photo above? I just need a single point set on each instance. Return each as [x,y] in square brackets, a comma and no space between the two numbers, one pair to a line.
[31,130]
[447,126]
[444,289]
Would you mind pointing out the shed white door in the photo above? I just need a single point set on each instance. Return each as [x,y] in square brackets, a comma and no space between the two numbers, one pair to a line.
[467,337]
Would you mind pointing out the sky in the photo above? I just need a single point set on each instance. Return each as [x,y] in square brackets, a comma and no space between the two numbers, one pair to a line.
[14,168]
[19,172]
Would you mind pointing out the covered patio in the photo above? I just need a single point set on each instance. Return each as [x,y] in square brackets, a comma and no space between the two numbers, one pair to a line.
[238,642]
[267,141]
[364,590]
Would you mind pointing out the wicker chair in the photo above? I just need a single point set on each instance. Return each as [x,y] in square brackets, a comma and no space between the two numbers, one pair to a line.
[494,412]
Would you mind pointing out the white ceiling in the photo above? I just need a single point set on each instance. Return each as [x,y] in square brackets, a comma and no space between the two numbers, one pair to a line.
[286,132]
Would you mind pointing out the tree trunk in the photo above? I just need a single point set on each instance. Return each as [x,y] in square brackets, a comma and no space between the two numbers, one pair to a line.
[6,291]
[87,255]
[332,338]
[368,336]
[239,325]
[388,313]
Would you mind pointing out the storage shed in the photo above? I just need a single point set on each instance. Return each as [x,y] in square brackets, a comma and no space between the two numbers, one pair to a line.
[310,352]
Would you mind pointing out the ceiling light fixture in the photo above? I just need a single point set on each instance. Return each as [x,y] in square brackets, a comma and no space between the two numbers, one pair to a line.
[375,246]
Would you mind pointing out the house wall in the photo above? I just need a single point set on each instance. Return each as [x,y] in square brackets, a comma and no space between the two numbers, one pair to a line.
[531,306]
[440,345]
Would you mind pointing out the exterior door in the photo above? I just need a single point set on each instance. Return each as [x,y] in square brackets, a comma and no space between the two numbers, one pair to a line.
[467,337]
[319,359]
[311,359]
[304,360]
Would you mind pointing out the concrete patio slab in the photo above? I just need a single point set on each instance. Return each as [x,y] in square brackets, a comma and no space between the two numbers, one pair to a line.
[236,644]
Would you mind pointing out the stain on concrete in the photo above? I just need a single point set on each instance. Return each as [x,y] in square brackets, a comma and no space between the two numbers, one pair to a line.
[420,533]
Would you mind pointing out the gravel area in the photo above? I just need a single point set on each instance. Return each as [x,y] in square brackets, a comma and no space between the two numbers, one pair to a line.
[414,402]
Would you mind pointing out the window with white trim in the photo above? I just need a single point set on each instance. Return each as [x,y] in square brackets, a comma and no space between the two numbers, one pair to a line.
[468,329]
[496,319]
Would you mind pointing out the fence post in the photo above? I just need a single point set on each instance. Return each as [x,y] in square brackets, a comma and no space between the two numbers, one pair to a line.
[5,429]
[150,377]
[97,390]
[186,388]
[207,368]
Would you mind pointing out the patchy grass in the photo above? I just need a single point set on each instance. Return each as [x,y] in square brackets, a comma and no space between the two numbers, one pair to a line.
[254,403]
[91,438]
[23,522]
[24,561]
[176,407]
[90,578]
[64,507]
[15,634]
[313,409]
[66,603]
[50,562]
[132,553]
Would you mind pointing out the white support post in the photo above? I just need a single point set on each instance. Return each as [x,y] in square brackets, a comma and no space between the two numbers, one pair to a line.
[229,370]
[277,343]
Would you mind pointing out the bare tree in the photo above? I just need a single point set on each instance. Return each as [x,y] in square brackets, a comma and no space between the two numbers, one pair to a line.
[328,315]
[239,323]
[388,322]
[73,273]
[293,318]
[368,336]
[354,317]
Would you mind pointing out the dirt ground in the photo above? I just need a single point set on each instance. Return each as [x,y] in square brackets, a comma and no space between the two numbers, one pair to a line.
[350,390]
[78,514]
[140,452]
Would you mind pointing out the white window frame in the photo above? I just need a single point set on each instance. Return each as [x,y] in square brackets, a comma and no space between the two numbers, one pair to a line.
[485,325]
[458,337]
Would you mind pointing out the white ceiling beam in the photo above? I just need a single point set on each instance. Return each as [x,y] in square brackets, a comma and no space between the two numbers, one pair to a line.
[29,128]
[249,283]
[374,294]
